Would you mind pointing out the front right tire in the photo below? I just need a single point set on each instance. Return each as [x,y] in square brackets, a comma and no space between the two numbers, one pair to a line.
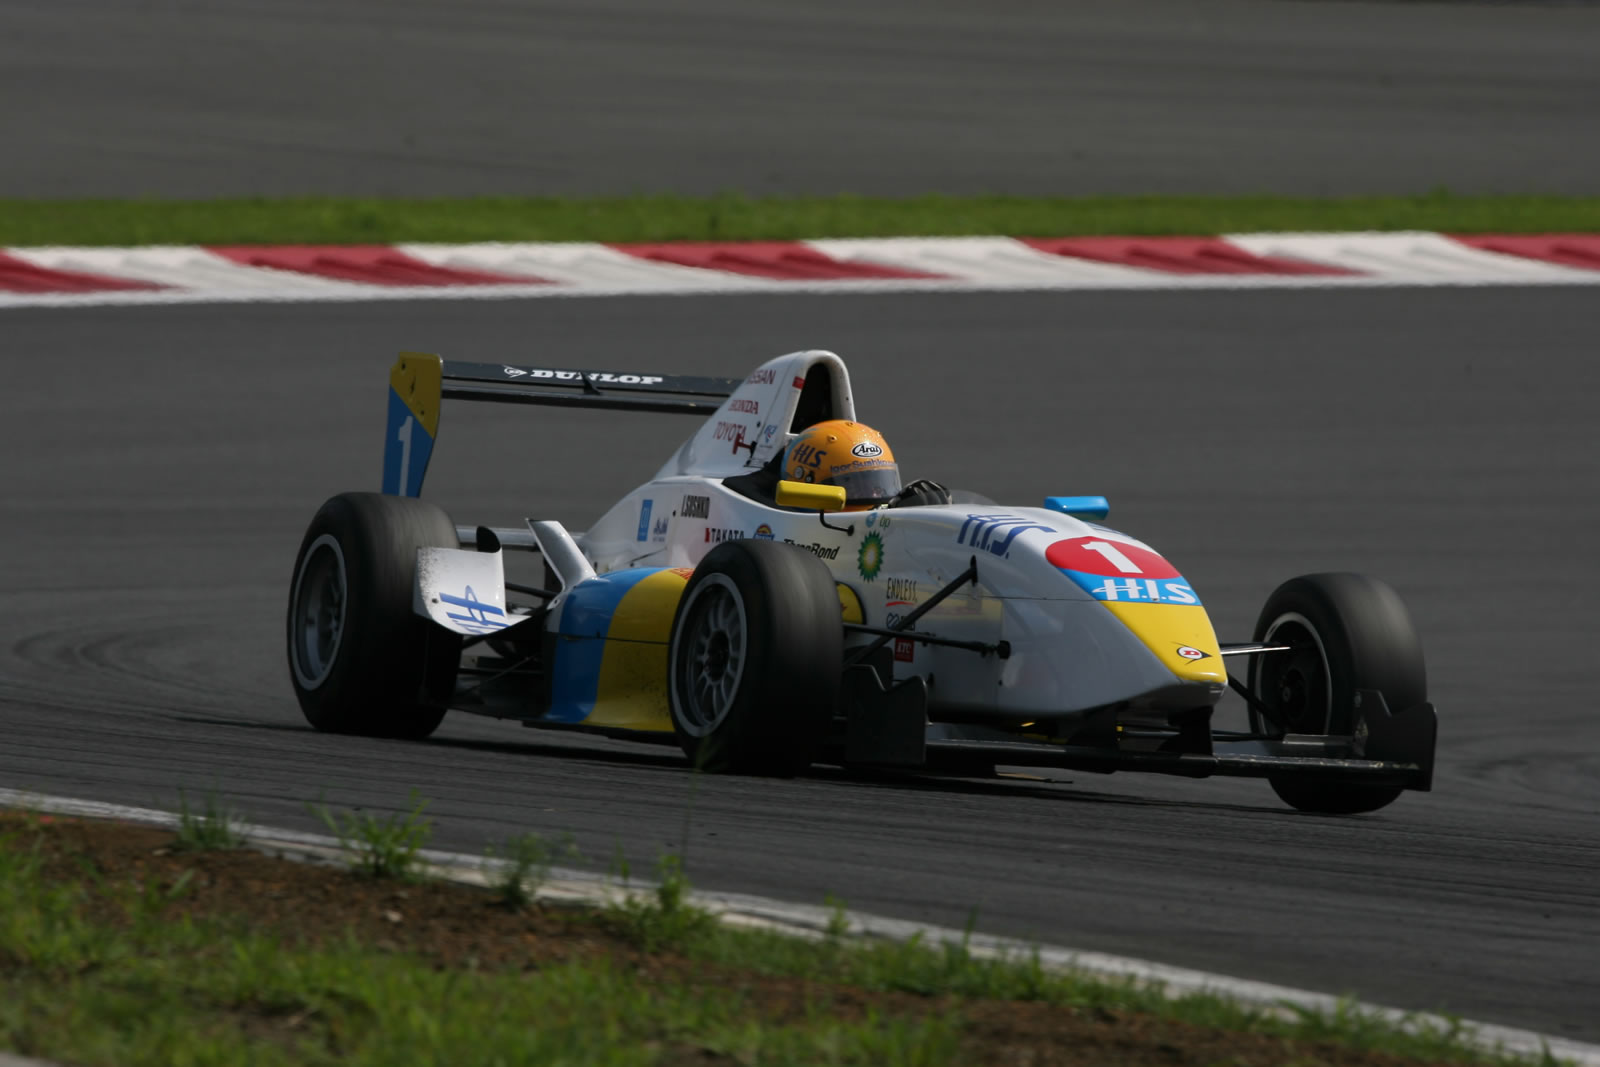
[1348,632]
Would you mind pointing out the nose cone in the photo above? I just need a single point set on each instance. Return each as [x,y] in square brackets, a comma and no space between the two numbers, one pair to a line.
[1180,635]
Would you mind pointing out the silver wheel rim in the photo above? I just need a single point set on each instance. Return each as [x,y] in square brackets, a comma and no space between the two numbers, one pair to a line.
[708,657]
[316,612]
[1295,619]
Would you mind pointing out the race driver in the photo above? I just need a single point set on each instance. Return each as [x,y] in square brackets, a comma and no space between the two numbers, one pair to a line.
[855,457]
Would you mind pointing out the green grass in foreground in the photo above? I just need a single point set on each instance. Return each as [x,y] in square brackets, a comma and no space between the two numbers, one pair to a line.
[330,220]
[99,972]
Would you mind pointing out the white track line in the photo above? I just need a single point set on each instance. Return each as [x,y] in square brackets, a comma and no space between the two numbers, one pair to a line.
[582,887]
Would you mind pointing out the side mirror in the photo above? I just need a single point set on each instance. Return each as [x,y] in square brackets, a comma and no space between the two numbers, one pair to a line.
[1079,507]
[811,497]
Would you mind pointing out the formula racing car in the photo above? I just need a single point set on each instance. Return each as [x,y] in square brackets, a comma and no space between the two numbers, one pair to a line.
[774,598]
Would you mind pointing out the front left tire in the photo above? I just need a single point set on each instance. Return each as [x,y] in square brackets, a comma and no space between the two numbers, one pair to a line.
[360,660]
[755,659]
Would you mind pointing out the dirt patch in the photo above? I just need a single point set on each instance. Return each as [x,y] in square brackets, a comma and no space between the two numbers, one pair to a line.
[462,927]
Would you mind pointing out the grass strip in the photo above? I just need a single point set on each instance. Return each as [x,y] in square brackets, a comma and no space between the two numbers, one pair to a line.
[116,952]
[333,220]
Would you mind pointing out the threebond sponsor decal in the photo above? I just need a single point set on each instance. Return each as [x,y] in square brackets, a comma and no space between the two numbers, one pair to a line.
[820,551]
[1116,571]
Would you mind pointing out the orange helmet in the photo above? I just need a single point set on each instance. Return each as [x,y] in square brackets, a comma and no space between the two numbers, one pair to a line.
[846,454]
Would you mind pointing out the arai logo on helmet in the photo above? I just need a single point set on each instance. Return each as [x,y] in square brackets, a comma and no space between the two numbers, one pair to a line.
[866,450]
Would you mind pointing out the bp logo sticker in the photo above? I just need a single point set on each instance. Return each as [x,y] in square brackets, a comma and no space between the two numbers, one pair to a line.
[869,561]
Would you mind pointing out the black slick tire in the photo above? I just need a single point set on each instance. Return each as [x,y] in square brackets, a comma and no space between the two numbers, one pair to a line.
[1349,632]
[754,664]
[360,660]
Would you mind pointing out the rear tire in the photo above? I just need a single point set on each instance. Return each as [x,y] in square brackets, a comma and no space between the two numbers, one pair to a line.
[755,659]
[1350,632]
[360,660]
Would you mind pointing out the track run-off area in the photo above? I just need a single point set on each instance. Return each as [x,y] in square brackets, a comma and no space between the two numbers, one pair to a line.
[1439,438]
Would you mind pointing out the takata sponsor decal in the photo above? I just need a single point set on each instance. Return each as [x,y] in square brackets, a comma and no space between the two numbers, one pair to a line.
[740,403]
[764,376]
[715,535]
[644,519]
[763,532]
[1120,571]
[820,551]
[866,450]
[996,532]
[695,507]
[900,590]
[578,376]
[869,559]
[1189,652]
[905,650]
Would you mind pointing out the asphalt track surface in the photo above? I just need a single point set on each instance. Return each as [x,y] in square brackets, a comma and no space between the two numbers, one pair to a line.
[163,463]
[205,98]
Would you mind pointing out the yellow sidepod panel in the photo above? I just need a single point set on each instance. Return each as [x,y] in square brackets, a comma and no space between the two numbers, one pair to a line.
[632,688]
[1180,635]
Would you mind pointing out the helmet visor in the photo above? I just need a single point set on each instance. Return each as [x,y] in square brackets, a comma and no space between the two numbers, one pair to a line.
[869,485]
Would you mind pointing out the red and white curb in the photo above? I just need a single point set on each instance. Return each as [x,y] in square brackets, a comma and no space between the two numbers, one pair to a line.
[70,277]
[574,887]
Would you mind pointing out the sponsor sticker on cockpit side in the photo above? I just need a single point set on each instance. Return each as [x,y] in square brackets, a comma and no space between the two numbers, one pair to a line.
[644,519]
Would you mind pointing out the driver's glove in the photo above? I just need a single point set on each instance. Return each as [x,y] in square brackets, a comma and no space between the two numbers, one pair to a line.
[921,492]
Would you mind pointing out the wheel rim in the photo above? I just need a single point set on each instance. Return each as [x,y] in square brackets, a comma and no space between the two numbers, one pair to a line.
[709,658]
[1298,684]
[317,612]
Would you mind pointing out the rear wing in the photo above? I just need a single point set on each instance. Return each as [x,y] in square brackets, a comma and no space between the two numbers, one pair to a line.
[420,382]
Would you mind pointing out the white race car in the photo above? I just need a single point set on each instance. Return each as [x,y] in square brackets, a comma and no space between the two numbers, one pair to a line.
[764,624]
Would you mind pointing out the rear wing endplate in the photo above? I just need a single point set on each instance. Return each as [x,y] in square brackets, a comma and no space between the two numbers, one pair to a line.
[420,382]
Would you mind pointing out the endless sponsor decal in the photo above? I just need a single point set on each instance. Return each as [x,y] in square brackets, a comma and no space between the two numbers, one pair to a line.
[715,535]
[901,590]
[820,551]
[695,507]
